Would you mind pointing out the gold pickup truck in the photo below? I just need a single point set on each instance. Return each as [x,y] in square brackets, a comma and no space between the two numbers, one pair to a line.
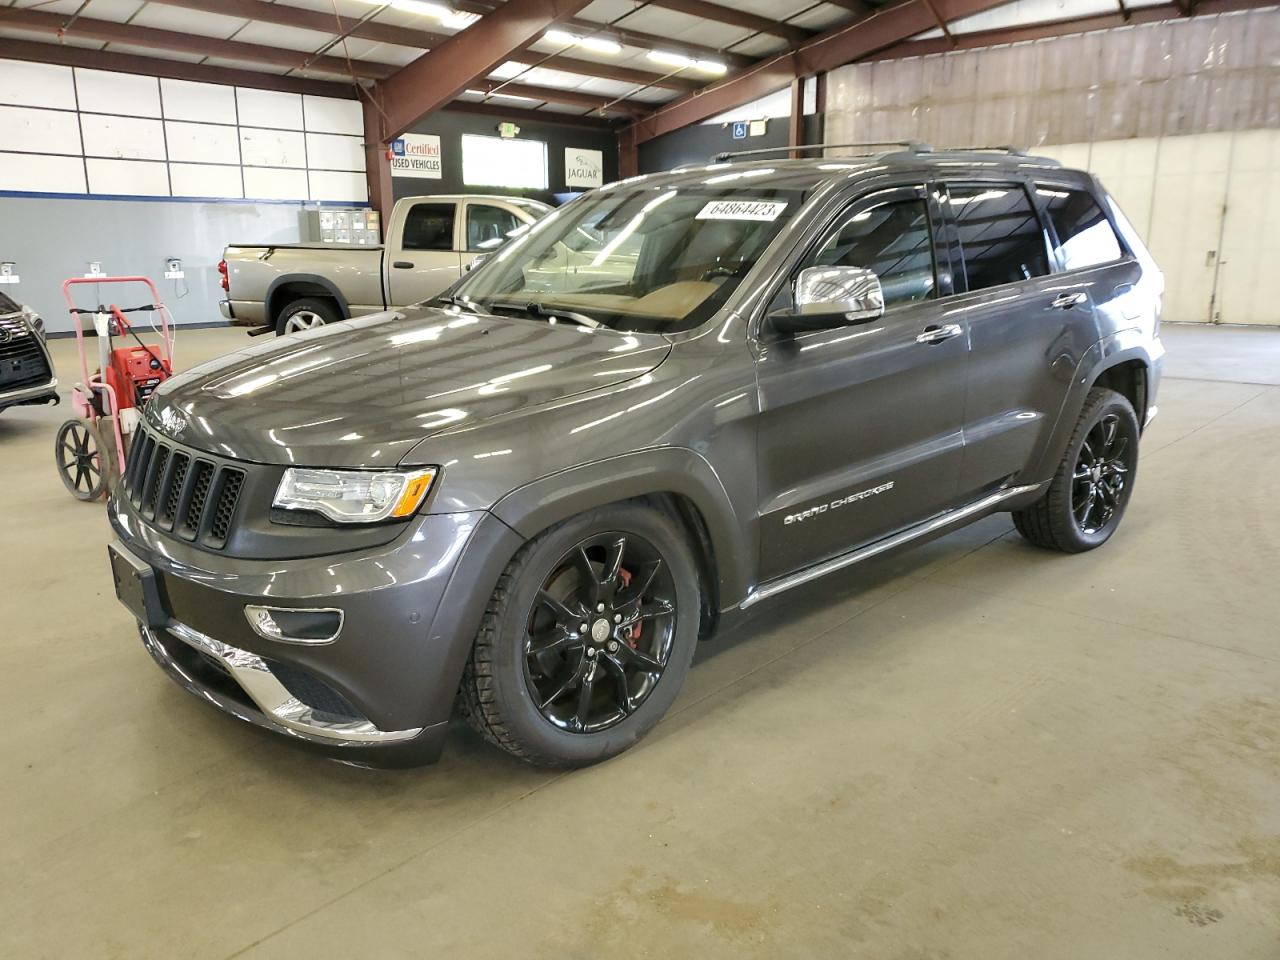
[430,243]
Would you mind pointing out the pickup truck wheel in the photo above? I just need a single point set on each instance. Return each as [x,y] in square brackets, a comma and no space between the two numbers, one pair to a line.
[305,314]
[586,639]
[1087,496]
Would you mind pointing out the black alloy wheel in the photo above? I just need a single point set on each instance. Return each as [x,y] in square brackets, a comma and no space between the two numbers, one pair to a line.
[600,634]
[1100,476]
[79,460]
[587,637]
[1084,502]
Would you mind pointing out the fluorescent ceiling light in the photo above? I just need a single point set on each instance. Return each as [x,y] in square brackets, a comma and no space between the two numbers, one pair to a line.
[598,44]
[508,96]
[457,19]
[679,60]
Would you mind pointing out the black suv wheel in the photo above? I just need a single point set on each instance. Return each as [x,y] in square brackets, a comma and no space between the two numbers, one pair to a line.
[1086,498]
[586,639]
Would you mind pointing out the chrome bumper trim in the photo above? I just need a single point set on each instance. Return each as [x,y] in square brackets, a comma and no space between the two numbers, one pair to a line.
[28,392]
[271,697]
[226,309]
[775,587]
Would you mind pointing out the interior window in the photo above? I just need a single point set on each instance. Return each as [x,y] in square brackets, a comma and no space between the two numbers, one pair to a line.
[429,226]
[488,227]
[893,239]
[1000,234]
[1085,237]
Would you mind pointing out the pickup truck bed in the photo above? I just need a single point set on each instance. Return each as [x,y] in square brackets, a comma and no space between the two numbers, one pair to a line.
[430,241]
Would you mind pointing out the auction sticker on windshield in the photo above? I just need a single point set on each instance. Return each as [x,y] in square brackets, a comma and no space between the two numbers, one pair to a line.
[766,210]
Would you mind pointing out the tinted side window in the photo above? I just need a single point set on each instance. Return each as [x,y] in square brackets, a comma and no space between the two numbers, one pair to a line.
[489,227]
[1000,234]
[1085,237]
[429,226]
[893,239]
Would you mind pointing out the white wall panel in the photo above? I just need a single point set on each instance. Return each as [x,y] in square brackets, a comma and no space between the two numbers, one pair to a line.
[330,151]
[1186,219]
[269,108]
[1126,168]
[205,180]
[202,142]
[39,131]
[102,92]
[272,148]
[1250,240]
[37,85]
[331,185]
[38,173]
[263,183]
[330,115]
[127,138]
[207,102]
[134,178]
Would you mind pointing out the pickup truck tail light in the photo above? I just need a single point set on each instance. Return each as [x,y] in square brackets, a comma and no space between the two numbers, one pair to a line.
[226,279]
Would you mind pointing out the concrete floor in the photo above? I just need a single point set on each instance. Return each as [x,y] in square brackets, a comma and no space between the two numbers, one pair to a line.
[975,749]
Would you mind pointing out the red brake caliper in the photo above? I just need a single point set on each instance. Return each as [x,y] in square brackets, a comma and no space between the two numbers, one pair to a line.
[631,633]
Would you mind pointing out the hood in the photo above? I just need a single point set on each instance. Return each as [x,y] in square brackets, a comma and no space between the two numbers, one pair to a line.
[364,392]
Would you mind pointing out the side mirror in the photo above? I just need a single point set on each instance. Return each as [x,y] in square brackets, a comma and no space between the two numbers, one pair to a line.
[829,297]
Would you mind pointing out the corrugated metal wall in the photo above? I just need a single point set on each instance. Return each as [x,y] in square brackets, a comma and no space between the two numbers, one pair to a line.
[1180,120]
[1203,75]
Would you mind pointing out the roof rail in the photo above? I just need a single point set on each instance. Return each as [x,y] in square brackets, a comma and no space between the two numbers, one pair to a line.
[1008,148]
[915,146]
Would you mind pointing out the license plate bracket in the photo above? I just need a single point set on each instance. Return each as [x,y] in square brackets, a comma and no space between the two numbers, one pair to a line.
[136,586]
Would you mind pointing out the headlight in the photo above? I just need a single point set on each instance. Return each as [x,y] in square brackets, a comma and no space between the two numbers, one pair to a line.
[354,496]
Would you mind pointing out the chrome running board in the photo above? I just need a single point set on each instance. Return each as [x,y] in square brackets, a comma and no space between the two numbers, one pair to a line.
[774,587]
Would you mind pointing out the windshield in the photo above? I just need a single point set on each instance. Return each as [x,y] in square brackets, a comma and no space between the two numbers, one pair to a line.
[646,259]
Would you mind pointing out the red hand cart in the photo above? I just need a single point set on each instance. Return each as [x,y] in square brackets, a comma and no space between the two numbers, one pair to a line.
[90,455]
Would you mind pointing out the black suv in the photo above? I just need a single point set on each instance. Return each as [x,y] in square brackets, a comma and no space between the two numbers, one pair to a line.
[672,399]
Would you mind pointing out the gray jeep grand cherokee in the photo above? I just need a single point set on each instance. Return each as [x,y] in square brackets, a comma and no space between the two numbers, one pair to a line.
[674,398]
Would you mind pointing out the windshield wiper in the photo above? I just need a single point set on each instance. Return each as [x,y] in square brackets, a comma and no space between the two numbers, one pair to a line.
[464,303]
[541,312]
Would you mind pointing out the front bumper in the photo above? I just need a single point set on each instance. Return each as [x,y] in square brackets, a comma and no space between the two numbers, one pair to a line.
[383,690]
[40,393]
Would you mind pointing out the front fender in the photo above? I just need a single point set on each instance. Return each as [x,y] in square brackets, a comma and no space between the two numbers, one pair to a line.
[674,470]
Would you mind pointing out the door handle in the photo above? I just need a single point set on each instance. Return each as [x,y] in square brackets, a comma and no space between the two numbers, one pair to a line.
[1066,301]
[403,264]
[936,334]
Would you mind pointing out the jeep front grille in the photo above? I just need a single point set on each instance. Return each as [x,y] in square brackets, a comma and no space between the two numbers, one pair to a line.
[186,495]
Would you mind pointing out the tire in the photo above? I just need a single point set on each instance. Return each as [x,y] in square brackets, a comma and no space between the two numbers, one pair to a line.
[523,655]
[1088,494]
[78,455]
[305,314]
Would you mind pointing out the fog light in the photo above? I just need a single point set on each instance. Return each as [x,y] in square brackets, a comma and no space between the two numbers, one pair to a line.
[295,624]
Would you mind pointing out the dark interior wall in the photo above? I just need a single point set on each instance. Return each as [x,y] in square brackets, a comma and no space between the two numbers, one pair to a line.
[450,125]
[700,142]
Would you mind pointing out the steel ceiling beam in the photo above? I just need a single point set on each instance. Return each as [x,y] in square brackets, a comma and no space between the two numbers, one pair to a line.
[625,35]
[570,98]
[886,27]
[736,18]
[440,75]
[1062,28]
[87,28]
[36,52]
[288,16]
